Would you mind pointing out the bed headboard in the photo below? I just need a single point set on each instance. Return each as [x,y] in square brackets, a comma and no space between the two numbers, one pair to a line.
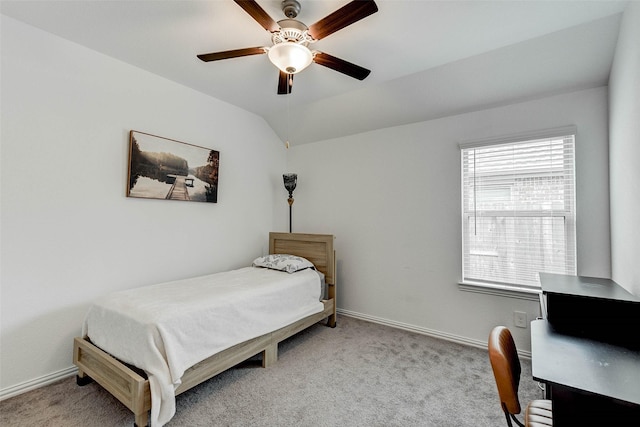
[317,248]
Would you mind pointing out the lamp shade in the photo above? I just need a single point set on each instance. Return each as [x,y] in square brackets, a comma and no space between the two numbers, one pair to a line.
[290,57]
[290,181]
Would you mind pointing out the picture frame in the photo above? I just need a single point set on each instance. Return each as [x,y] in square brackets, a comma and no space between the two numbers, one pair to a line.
[163,168]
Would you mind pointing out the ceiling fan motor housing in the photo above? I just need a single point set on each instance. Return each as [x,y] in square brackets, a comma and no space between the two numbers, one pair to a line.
[291,30]
[291,8]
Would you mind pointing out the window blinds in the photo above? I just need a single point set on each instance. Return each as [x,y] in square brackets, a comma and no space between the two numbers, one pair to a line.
[518,210]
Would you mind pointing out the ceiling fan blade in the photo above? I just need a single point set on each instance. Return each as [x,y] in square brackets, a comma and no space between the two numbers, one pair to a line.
[346,15]
[285,83]
[340,65]
[258,13]
[227,54]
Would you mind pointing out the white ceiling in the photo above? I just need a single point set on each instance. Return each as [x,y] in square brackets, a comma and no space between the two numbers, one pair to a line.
[428,59]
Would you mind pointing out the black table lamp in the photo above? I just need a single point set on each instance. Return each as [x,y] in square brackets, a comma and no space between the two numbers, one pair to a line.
[290,181]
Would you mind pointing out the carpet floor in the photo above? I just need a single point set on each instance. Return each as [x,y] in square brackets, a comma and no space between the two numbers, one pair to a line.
[358,374]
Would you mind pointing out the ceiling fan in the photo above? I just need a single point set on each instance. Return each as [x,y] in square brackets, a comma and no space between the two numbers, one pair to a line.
[290,38]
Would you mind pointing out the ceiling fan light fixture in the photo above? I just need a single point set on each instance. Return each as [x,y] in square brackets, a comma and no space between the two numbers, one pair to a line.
[290,57]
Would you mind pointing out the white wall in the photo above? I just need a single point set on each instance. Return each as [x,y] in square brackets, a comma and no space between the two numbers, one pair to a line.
[624,152]
[69,234]
[392,198]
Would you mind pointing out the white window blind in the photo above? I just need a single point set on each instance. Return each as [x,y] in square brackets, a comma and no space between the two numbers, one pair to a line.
[518,206]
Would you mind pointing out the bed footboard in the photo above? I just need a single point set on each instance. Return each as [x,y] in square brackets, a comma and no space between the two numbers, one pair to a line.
[118,379]
[133,390]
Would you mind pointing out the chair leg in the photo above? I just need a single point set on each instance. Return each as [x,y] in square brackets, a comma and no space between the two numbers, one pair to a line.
[509,417]
[506,414]
[516,420]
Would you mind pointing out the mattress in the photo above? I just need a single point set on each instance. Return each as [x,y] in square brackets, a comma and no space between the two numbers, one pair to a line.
[165,329]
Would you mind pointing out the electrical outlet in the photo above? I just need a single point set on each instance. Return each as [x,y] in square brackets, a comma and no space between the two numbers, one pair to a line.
[520,319]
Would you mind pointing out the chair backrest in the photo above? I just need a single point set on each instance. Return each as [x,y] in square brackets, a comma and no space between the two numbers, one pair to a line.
[506,368]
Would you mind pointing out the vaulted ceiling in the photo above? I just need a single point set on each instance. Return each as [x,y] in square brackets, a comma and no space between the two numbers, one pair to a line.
[429,59]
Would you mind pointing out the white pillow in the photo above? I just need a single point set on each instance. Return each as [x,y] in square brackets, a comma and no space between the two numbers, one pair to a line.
[283,262]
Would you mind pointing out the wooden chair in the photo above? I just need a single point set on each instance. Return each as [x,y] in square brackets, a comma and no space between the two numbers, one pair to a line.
[506,370]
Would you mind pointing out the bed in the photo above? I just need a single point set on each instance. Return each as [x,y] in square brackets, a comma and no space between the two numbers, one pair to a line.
[106,358]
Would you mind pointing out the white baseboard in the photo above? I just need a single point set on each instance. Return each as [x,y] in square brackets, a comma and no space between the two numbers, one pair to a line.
[424,331]
[35,383]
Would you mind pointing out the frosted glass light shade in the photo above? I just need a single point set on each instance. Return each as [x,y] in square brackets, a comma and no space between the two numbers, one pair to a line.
[289,57]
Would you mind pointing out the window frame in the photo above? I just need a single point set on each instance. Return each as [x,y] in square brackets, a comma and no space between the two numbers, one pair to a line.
[569,214]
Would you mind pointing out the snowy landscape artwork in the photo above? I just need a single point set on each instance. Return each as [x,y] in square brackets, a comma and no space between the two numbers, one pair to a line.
[162,168]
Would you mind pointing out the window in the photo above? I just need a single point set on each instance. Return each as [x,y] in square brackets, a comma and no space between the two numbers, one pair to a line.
[518,209]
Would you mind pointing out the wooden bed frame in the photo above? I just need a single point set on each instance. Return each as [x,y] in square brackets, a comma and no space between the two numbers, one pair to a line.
[129,385]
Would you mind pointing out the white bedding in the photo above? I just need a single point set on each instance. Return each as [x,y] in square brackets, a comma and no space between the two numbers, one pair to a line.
[167,328]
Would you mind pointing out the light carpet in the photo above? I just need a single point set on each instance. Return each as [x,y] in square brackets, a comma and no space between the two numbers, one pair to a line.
[358,374]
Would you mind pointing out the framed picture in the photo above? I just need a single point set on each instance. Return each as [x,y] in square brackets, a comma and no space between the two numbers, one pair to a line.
[162,168]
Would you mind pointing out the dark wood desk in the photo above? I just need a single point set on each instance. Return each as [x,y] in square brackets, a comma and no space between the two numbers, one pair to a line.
[585,364]
[588,356]
[591,307]
[608,373]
